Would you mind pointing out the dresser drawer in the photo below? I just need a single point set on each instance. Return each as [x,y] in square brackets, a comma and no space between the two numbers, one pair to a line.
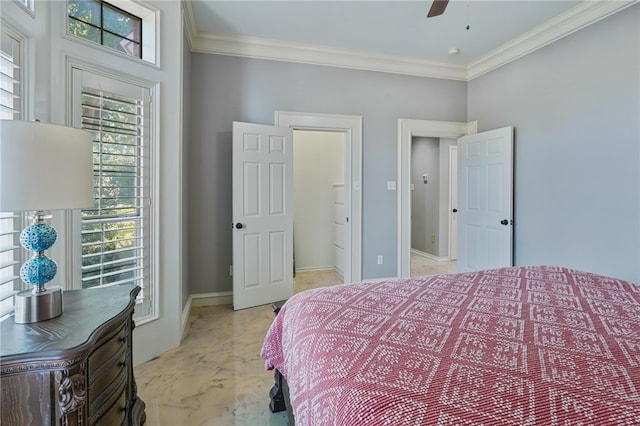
[99,402]
[108,349]
[116,414]
[102,379]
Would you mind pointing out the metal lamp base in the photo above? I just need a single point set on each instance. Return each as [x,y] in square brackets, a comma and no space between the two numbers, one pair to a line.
[35,307]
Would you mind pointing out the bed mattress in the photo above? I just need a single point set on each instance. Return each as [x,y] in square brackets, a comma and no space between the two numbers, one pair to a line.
[512,346]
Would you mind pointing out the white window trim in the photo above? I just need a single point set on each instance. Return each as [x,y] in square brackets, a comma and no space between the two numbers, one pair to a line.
[28,6]
[73,248]
[150,31]
[21,217]
[24,93]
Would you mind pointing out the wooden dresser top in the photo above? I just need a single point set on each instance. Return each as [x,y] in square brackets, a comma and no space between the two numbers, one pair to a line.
[79,326]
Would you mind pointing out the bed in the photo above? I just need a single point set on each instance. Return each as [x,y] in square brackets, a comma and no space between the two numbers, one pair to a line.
[512,346]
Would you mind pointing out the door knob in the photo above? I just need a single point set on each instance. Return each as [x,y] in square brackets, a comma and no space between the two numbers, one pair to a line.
[504,222]
[238,225]
[455,210]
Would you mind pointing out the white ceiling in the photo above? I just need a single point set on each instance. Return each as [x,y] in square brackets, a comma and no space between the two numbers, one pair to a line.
[385,29]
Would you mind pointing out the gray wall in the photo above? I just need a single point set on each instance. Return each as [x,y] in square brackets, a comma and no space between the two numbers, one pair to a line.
[575,106]
[224,89]
[425,158]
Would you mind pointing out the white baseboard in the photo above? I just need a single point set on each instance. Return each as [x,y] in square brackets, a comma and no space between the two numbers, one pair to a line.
[377,280]
[316,269]
[185,324]
[430,256]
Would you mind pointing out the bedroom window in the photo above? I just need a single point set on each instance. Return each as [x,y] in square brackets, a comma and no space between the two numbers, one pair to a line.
[117,233]
[105,24]
[11,107]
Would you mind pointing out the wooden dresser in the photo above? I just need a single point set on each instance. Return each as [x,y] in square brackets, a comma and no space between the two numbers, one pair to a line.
[75,369]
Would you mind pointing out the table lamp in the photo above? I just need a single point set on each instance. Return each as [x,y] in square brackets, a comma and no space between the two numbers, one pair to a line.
[42,167]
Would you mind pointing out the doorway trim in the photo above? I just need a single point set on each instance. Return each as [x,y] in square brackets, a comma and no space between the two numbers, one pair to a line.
[407,129]
[351,126]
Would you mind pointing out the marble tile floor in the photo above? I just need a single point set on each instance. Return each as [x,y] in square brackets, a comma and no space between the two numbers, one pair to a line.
[216,376]
[421,265]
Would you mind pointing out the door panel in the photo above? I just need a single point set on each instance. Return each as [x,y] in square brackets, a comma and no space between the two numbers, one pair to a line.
[470,250]
[251,191]
[278,257]
[472,194]
[251,260]
[485,165]
[277,190]
[262,214]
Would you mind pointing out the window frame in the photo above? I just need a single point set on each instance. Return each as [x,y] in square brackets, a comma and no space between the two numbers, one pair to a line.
[28,6]
[19,218]
[102,27]
[150,31]
[109,81]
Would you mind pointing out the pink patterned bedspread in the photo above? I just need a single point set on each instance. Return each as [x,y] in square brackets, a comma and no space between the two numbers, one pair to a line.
[513,346]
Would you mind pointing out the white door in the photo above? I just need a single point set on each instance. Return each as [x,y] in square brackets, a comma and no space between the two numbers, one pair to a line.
[485,200]
[453,202]
[262,214]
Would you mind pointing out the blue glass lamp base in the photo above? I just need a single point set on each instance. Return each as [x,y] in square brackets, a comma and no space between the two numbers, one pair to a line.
[38,270]
[42,303]
[38,236]
[35,307]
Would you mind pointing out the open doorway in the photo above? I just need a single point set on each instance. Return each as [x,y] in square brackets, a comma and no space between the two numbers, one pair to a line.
[431,218]
[319,225]
[351,129]
[407,130]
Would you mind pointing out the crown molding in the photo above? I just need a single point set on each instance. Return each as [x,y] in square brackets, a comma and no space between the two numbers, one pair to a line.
[576,18]
[189,22]
[252,47]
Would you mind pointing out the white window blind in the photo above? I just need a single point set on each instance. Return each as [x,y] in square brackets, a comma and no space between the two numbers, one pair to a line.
[9,76]
[10,223]
[9,262]
[116,232]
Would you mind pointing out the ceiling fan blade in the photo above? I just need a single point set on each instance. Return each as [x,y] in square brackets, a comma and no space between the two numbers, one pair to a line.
[437,8]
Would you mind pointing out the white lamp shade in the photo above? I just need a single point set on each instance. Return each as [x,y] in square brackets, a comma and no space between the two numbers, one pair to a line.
[44,167]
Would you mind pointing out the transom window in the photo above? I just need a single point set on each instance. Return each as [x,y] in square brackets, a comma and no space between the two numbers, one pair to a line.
[105,24]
